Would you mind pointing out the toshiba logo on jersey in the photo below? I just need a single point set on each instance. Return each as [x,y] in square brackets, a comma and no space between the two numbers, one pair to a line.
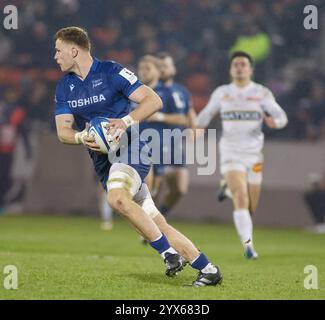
[86,101]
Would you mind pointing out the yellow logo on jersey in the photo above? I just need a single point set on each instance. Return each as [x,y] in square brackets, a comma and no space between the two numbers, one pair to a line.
[227,97]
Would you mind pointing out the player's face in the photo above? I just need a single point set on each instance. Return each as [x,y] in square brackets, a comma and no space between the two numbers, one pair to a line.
[64,55]
[241,69]
[167,69]
[148,72]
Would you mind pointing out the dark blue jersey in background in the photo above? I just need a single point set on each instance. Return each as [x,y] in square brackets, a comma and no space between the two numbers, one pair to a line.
[180,101]
[164,95]
[177,101]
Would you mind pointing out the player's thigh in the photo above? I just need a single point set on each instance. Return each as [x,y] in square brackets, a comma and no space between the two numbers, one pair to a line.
[149,180]
[182,179]
[254,179]
[123,183]
[117,199]
[156,187]
[254,191]
[159,172]
[178,179]
[234,170]
[237,182]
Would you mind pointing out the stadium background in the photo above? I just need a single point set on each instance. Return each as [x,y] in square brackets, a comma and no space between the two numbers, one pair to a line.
[200,35]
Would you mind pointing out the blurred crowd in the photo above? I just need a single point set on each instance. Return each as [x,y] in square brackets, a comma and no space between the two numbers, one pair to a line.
[199,34]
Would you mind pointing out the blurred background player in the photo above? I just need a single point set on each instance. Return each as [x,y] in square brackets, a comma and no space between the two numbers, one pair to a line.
[315,200]
[176,114]
[242,106]
[105,210]
[149,74]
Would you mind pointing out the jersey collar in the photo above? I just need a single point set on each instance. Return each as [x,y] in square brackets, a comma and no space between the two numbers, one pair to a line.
[93,68]
[247,87]
[94,65]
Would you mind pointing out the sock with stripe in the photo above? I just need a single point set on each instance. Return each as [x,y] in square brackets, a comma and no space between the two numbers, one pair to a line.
[202,264]
[162,246]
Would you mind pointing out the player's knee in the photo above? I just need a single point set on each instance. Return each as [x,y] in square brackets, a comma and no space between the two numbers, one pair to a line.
[182,183]
[243,201]
[118,202]
[241,197]
[252,209]
[182,189]
[178,191]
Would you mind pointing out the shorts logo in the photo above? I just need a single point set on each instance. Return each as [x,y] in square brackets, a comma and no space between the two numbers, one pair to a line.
[257,167]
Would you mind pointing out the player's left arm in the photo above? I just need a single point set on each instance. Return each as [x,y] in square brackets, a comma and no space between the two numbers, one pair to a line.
[148,103]
[170,118]
[192,117]
[186,120]
[127,83]
[184,116]
[275,117]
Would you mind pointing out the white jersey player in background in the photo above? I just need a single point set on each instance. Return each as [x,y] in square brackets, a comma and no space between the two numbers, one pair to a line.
[242,106]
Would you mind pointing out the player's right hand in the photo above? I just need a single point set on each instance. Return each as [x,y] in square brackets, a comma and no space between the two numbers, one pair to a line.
[89,142]
[270,122]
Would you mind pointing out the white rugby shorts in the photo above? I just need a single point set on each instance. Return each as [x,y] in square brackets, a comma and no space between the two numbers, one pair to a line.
[252,164]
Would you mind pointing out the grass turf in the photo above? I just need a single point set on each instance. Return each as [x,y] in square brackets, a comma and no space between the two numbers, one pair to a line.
[71,258]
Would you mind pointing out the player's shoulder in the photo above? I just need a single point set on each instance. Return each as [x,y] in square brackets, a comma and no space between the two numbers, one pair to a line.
[180,87]
[112,67]
[109,66]
[117,71]
[224,87]
[161,88]
[221,89]
[261,89]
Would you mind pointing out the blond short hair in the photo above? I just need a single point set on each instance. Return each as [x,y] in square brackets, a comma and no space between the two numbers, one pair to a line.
[75,35]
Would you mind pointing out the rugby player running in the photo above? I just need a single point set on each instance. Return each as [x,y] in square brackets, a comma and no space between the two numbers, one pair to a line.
[93,88]
[243,105]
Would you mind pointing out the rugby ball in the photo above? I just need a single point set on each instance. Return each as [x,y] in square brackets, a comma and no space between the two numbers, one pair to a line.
[98,131]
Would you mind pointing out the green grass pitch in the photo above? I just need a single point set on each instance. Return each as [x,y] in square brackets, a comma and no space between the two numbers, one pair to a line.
[71,258]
